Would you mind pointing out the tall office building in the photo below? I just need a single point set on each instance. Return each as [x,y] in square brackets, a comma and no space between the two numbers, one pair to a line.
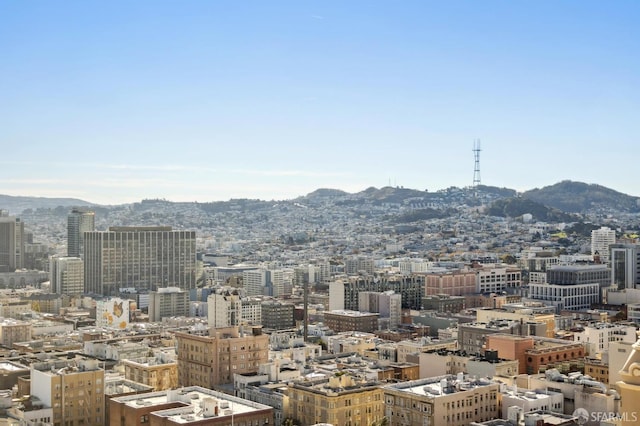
[601,239]
[79,221]
[146,258]
[66,275]
[625,262]
[11,243]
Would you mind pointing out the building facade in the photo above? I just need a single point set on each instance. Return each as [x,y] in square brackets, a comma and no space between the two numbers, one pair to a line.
[67,275]
[168,302]
[211,359]
[79,221]
[11,243]
[146,258]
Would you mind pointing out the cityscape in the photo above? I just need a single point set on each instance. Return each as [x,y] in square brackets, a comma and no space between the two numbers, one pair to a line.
[392,306]
[251,213]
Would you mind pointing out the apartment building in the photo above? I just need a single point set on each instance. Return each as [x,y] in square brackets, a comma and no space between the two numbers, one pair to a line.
[341,399]
[443,400]
[210,358]
[72,388]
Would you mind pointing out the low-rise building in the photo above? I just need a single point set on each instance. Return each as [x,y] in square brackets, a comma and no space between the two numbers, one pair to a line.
[341,399]
[190,405]
[443,400]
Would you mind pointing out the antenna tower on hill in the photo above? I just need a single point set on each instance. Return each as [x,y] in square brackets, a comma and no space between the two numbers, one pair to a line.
[476,168]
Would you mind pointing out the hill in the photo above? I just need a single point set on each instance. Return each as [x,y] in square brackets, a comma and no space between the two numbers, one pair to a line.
[578,197]
[516,207]
[17,204]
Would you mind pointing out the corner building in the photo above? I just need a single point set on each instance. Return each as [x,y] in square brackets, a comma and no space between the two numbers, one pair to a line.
[211,359]
[146,258]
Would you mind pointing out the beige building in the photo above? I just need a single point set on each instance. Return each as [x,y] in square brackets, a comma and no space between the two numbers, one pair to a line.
[210,359]
[184,406]
[152,372]
[14,331]
[341,399]
[72,388]
[66,275]
[520,312]
[444,400]
[168,302]
[424,344]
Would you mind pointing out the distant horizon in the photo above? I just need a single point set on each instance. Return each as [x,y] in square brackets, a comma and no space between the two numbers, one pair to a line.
[207,101]
[305,194]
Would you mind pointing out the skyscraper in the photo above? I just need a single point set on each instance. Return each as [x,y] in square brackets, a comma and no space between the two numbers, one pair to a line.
[11,243]
[625,259]
[79,221]
[146,258]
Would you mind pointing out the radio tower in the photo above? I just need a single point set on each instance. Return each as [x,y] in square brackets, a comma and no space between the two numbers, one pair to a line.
[476,168]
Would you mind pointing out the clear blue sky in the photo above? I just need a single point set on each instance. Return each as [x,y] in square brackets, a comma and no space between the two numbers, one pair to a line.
[115,101]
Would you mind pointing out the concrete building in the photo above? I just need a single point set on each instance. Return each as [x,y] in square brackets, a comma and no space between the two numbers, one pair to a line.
[345,293]
[443,303]
[497,278]
[14,331]
[443,400]
[157,372]
[624,266]
[146,258]
[598,336]
[406,348]
[187,405]
[113,313]
[66,275]
[277,315]
[168,302]
[388,304]
[12,243]
[601,239]
[79,221]
[525,313]
[210,359]
[338,400]
[443,362]
[74,389]
[453,283]
[263,282]
[531,400]
[224,309]
[340,321]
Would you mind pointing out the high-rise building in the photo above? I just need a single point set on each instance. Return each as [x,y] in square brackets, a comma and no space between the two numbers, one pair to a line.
[625,262]
[12,243]
[601,239]
[79,221]
[223,309]
[146,258]
[66,275]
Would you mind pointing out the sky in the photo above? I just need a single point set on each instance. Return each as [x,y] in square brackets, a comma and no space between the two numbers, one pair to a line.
[116,101]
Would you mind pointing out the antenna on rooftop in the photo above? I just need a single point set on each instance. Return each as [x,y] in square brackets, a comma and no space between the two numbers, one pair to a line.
[476,168]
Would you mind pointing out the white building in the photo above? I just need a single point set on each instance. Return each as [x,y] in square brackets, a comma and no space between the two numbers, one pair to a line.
[597,337]
[574,297]
[112,313]
[66,275]
[223,310]
[531,400]
[600,241]
[388,304]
